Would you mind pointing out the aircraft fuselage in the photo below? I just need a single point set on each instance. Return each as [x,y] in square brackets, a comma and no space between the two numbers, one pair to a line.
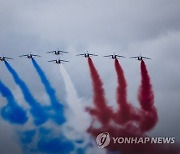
[140,58]
[58,62]
[57,52]
[29,56]
[114,57]
[86,55]
[2,58]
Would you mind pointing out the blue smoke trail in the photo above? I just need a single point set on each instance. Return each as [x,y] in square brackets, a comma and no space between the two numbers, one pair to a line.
[12,112]
[49,144]
[27,136]
[55,145]
[46,142]
[59,108]
[36,110]
[42,140]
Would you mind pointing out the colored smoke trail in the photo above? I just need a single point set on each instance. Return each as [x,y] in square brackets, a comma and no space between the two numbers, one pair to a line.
[46,140]
[125,111]
[51,143]
[75,104]
[122,86]
[55,145]
[99,98]
[78,121]
[27,136]
[56,105]
[146,96]
[12,112]
[36,110]
[130,124]
[49,138]
[146,99]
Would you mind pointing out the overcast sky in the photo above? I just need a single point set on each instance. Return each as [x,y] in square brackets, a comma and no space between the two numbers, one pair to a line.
[127,27]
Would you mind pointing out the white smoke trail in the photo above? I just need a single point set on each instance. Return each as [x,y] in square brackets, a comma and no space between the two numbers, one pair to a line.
[78,119]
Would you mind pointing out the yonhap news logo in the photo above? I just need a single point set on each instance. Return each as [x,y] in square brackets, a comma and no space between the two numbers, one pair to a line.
[103,140]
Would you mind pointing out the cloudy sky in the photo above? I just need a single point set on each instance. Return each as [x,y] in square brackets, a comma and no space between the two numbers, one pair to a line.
[129,28]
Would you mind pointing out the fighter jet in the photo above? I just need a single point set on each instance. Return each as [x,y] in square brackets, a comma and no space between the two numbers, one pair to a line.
[30,56]
[114,56]
[140,58]
[58,61]
[3,59]
[57,52]
[86,55]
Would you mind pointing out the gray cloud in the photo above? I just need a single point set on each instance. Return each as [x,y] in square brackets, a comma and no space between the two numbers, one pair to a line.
[125,27]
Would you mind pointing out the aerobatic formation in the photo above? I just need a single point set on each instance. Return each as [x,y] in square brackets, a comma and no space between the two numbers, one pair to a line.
[72,127]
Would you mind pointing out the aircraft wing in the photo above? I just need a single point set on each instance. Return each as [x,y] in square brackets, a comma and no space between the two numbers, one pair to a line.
[51,60]
[36,55]
[120,56]
[92,54]
[80,54]
[134,57]
[146,58]
[51,51]
[8,58]
[23,55]
[64,60]
[62,51]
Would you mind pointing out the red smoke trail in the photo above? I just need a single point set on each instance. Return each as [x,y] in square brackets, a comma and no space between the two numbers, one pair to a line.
[132,127]
[99,98]
[146,99]
[125,111]
[146,96]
